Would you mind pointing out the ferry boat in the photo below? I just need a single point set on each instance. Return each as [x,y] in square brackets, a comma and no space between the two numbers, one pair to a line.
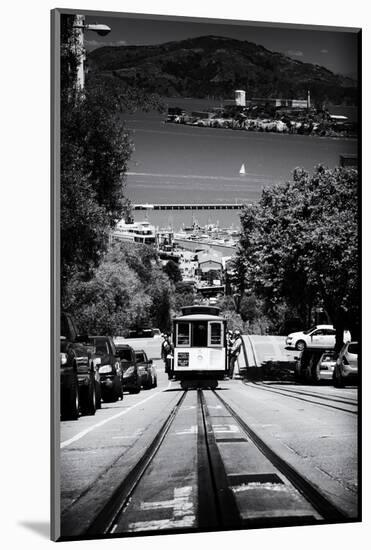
[138,232]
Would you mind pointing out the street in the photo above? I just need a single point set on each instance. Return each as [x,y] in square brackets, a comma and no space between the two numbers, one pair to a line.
[140,464]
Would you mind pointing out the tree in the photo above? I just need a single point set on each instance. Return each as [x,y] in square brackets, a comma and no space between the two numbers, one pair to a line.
[172,270]
[95,149]
[184,295]
[121,293]
[300,246]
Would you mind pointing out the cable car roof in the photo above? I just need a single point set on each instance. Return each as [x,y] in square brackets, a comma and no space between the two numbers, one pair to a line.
[198,317]
[200,310]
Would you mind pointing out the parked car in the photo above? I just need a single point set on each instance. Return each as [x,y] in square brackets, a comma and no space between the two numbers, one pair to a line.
[320,336]
[315,364]
[78,391]
[145,332]
[146,369]
[346,368]
[324,367]
[96,364]
[130,375]
[109,368]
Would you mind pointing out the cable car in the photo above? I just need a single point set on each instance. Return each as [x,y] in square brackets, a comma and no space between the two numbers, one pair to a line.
[200,348]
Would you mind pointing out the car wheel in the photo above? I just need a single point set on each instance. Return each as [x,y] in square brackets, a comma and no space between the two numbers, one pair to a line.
[70,402]
[155,382]
[110,397]
[300,345]
[98,396]
[338,379]
[316,373]
[88,401]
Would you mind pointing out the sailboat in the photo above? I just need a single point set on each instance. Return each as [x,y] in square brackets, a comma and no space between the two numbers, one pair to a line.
[243,170]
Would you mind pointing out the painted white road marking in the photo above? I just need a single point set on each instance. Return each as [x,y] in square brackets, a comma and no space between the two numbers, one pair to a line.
[182,512]
[214,407]
[106,420]
[137,434]
[181,503]
[225,428]
[191,430]
[187,521]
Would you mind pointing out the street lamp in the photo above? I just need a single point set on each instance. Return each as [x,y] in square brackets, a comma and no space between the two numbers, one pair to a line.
[100,29]
[79,25]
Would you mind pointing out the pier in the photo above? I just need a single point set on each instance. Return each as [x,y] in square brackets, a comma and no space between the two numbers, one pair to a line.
[200,206]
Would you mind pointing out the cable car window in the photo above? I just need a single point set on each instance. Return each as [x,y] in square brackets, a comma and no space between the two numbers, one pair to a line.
[215,334]
[183,334]
[199,334]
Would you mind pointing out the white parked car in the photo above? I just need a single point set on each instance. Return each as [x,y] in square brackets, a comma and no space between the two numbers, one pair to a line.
[319,336]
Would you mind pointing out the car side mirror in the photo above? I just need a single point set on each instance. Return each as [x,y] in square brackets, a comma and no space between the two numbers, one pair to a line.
[150,361]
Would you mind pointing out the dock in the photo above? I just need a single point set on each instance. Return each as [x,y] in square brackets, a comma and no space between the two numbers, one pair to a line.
[193,206]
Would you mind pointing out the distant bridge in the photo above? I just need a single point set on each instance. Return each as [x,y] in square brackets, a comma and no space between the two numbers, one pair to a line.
[201,206]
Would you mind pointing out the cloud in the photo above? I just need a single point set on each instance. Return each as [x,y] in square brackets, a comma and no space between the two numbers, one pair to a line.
[324,51]
[93,44]
[295,53]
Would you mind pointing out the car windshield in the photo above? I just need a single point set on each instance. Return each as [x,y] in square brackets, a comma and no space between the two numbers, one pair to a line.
[100,346]
[124,354]
[309,330]
[330,356]
[353,348]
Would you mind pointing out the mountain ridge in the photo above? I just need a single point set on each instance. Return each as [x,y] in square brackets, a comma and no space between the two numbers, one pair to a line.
[215,66]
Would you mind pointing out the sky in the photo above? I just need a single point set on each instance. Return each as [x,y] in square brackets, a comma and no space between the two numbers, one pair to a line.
[335,49]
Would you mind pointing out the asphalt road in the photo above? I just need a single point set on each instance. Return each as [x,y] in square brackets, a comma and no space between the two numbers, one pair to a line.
[314,428]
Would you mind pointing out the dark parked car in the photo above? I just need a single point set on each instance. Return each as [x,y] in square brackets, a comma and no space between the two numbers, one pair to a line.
[131,379]
[146,369]
[109,368]
[78,389]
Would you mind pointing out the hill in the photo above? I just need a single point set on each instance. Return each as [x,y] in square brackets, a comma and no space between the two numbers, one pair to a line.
[215,66]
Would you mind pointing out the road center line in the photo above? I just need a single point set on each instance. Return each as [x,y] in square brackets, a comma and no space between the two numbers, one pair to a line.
[106,420]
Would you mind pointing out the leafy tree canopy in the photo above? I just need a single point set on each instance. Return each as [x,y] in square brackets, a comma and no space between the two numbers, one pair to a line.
[299,245]
[172,270]
[121,293]
[95,149]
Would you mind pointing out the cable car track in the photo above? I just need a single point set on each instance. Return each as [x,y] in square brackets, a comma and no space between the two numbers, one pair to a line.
[289,393]
[328,511]
[221,490]
[336,399]
[104,523]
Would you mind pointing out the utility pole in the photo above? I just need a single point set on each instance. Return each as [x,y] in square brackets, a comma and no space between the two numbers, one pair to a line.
[79,27]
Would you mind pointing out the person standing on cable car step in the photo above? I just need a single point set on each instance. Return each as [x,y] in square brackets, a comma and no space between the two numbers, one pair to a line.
[167,354]
[235,351]
[230,341]
[164,347]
